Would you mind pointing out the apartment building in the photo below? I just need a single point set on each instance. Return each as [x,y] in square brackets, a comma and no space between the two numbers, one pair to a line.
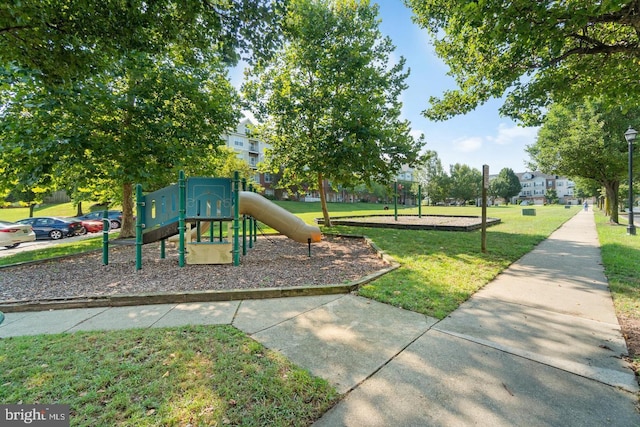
[250,149]
[535,186]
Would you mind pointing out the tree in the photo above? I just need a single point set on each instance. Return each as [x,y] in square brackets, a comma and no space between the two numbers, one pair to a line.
[466,182]
[534,52]
[137,122]
[506,185]
[585,141]
[329,101]
[434,178]
[66,40]
[130,90]
[551,196]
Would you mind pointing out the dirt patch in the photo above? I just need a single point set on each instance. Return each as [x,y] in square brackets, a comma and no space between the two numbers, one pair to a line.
[424,222]
[273,262]
[631,331]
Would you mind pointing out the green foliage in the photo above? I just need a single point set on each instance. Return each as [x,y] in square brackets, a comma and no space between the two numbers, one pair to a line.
[436,181]
[551,196]
[88,36]
[466,183]
[534,52]
[585,140]
[329,100]
[143,90]
[506,185]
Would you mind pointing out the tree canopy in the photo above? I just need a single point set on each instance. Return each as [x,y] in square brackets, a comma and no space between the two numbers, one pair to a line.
[585,141]
[506,185]
[330,99]
[534,52]
[67,39]
[98,94]
[465,183]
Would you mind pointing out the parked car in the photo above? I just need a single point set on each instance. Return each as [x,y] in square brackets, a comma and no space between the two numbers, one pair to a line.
[53,227]
[12,234]
[115,217]
[90,225]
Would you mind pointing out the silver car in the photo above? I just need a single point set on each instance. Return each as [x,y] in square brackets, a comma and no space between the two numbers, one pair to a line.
[12,234]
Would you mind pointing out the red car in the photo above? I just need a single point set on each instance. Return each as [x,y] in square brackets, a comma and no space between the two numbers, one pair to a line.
[91,226]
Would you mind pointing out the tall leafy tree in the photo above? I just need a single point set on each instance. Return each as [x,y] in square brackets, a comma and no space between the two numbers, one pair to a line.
[506,185]
[137,122]
[534,52]
[330,100]
[434,178]
[130,90]
[585,141]
[466,182]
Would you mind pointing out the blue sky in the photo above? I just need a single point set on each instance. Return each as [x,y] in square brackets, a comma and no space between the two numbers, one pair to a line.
[477,138]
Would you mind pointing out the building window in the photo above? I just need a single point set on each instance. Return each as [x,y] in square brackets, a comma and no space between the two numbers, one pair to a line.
[560,184]
[267,177]
[238,143]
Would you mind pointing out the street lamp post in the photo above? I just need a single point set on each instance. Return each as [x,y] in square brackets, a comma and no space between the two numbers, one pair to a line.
[630,136]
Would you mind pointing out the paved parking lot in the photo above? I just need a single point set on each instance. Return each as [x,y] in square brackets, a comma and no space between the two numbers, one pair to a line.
[44,243]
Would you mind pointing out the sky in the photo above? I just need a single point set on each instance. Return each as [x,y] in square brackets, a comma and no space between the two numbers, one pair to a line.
[481,137]
[478,138]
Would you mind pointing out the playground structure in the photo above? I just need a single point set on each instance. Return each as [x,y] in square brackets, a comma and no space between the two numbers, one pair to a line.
[210,207]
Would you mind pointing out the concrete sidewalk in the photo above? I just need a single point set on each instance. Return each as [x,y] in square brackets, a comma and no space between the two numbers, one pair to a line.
[538,346]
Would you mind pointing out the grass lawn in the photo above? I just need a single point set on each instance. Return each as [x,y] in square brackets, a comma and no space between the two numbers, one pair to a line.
[200,376]
[440,270]
[621,260]
[218,376]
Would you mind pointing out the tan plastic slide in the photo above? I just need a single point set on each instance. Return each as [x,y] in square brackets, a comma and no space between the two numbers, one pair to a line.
[278,218]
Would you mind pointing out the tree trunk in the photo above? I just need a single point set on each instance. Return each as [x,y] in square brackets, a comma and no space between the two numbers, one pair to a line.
[323,201]
[79,209]
[31,207]
[128,225]
[611,202]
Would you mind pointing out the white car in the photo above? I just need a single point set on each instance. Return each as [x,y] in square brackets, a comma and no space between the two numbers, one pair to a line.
[12,234]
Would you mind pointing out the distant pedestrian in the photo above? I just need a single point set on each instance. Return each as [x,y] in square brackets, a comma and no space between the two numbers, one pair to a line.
[586,206]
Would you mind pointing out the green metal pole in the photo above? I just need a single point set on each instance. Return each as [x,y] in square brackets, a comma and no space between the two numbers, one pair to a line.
[105,237]
[139,225]
[244,223]
[251,223]
[163,249]
[419,200]
[255,227]
[236,219]
[182,200]
[395,200]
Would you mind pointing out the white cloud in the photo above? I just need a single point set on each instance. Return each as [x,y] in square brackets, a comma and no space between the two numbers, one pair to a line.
[514,134]
[468,145]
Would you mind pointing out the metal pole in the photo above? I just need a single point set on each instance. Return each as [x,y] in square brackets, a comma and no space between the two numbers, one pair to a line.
[139,225]
[105,237]
[485,187]
[236,219]
[419,200]
[182,197]
[395,200]
[631,228]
